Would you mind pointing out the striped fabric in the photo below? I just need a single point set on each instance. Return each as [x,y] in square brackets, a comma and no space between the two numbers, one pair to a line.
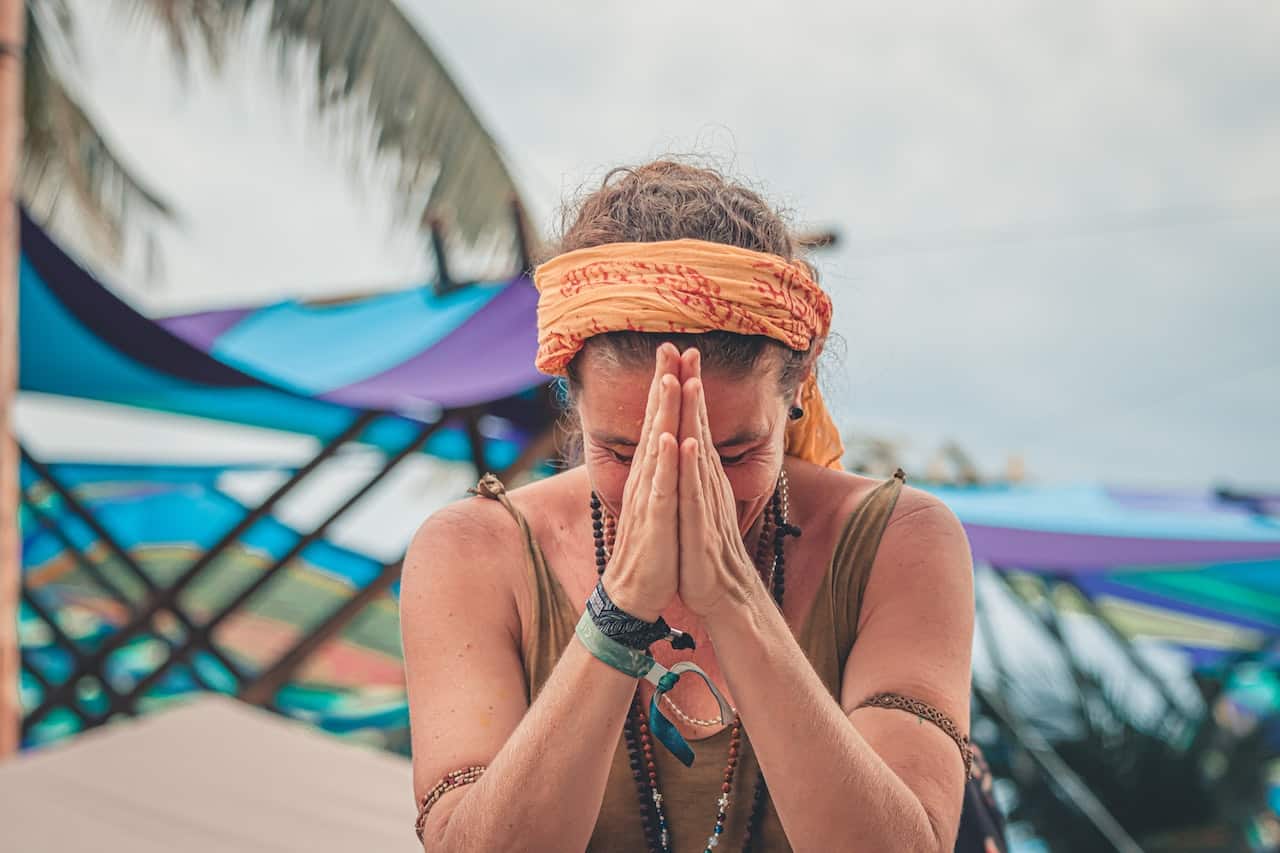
[166,516]
[1198,570]
[396,351]
[301,369]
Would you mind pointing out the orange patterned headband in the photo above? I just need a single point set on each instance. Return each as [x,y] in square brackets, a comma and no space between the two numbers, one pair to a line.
[688,286]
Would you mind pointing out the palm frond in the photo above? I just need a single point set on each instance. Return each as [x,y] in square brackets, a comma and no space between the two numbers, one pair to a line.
[368,57]
[69,169]
[1155,779]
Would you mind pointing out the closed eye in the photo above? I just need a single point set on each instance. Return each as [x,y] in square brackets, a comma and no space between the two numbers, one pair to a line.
[618,457]
[732,460]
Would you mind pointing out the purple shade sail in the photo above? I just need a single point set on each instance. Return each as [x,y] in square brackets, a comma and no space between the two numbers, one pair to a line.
[489,356]
[108,319]
[1038,550]
[204,328]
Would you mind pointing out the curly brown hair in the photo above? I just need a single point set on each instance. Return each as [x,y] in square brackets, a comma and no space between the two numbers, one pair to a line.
[670,200]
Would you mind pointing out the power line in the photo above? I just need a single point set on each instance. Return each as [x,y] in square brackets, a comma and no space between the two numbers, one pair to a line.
[1182,388]
[1174,216]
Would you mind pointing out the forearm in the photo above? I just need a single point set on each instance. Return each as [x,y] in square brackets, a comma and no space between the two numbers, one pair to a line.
[830,788]
[543,789]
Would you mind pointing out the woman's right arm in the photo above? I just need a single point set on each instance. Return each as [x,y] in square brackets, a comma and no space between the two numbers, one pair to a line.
[547,763]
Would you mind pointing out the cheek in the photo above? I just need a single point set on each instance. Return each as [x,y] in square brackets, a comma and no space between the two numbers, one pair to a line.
[608,479]
[755,478]
[752,485]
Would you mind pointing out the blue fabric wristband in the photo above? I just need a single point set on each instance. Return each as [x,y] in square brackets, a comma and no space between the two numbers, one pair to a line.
[638,664]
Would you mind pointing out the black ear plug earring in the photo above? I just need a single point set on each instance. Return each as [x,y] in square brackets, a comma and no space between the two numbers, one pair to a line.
[796,413]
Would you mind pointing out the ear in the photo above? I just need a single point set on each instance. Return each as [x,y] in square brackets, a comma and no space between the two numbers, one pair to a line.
[805,377]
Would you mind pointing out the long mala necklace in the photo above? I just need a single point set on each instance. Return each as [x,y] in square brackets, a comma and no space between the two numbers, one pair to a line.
[775,528]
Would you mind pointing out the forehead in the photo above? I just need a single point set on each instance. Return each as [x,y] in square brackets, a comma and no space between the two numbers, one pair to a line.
[612,401]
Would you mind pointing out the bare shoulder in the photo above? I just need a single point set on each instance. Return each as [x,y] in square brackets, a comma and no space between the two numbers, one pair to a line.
[922,534]
[845,491]
[923,555]
[543,502]
[839,493]
[475,545]
[913,502]
[464,558]
[478,530]
[922,521]
[823,498]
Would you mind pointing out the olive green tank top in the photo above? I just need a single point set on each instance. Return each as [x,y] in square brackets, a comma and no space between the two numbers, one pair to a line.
[690,793]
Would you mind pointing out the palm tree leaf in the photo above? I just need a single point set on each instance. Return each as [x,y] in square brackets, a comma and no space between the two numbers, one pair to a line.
[372,65]
[69,169]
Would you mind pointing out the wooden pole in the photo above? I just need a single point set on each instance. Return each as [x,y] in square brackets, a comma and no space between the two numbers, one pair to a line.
[11,59]
[263,689]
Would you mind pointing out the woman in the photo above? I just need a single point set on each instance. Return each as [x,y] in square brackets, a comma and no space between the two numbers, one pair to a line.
[687,332]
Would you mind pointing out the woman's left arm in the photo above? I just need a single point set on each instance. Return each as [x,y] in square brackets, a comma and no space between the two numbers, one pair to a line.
[864,779]
[840,777]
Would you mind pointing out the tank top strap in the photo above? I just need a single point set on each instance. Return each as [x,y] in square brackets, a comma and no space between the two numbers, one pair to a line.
[550,622]
[492,488]
[855,554]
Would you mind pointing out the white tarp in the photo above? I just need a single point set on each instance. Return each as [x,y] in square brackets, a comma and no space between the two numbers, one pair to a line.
[210,775]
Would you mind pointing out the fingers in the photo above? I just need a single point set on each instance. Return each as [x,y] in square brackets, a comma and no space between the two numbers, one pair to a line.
[713,478]
[665,362]
[690,364]
[665,365]
[695,536]
[690,426]
[663,414]
[694,424]
[665,419]
[693,411]
[666,469]
[704,420]
[691,492]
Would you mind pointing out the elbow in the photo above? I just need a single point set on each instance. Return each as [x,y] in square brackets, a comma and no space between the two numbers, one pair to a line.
[441,839]
[917,832]
[442,834]
[939,834]
[924,831]
[436,836]
[928,838]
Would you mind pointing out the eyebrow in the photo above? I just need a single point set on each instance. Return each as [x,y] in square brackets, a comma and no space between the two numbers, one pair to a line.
[744,437]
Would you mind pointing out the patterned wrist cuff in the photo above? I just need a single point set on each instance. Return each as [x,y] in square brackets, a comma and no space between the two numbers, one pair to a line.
[620,626]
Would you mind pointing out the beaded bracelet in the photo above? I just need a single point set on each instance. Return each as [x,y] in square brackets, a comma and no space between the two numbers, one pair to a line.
[925,711]
[452,780]
[638,664]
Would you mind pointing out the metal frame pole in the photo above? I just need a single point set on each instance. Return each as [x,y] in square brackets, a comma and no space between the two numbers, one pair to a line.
[80,511]
[263,688]
[95,662]
[203,634]
[99,577]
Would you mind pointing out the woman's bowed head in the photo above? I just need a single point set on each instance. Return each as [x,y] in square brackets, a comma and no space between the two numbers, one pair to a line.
[684,495]
[687,331]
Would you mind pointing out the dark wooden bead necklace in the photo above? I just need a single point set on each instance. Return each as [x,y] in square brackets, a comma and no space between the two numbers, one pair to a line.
[775,528]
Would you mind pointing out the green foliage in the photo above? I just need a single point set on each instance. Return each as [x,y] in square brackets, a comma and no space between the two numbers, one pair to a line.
[370,63]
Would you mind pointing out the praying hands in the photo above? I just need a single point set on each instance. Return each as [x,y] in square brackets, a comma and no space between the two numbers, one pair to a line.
[678,529]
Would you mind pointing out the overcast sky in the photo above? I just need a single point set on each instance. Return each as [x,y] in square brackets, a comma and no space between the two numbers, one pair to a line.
[1060,222]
